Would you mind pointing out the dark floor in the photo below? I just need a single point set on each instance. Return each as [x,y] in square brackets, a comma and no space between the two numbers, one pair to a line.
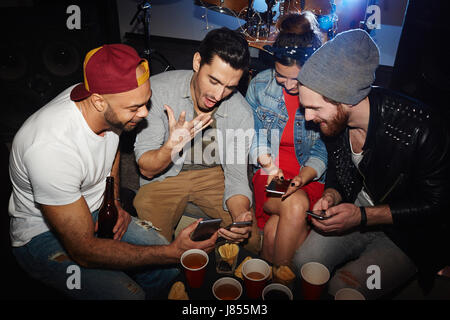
[16,284]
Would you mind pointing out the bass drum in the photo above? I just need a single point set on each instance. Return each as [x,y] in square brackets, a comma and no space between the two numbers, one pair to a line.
[229,7]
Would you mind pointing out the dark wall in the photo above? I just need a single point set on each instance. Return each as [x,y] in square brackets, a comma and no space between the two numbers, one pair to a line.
[40,56]
[422,67]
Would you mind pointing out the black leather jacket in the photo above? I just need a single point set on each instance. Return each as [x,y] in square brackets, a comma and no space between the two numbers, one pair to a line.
[406,164]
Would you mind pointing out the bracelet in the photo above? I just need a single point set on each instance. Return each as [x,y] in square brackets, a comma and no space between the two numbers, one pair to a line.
[118,199]
[363,217]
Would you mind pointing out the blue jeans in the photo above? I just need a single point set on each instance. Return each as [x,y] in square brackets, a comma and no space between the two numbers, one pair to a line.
[351,255]
[45,259]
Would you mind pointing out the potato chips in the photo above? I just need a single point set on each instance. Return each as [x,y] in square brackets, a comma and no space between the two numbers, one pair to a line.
[229,252]
[178,292]
[238,271]
[283,274]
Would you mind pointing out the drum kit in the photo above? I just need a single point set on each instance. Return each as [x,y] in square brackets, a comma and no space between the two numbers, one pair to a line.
[263,17]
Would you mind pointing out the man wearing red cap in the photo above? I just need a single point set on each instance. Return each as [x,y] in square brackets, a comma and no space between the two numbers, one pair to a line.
[59,162]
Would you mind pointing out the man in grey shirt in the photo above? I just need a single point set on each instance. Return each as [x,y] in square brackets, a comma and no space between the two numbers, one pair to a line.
[202,156]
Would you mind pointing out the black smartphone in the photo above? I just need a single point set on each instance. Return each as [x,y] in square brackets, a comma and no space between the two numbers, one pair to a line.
[318,214]
[239,224]
[205,229]
[278,186]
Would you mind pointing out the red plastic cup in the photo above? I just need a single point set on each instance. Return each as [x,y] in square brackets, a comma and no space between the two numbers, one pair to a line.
[227,288]
[194,262]
[255,273]
[314,278]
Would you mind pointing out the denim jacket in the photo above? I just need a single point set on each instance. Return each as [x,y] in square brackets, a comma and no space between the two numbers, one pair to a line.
[265,96]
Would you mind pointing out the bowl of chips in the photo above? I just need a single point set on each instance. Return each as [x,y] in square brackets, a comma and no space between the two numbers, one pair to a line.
[226,257]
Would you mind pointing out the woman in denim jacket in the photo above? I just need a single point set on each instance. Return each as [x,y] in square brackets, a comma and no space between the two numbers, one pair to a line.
[285,145]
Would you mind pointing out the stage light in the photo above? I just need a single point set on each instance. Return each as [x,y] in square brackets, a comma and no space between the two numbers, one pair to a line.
[259,6]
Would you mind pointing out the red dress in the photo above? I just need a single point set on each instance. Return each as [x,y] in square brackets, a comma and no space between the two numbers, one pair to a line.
[287,162]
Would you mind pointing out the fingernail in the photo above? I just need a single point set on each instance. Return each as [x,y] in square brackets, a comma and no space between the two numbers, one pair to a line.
[292,184]
[282,178]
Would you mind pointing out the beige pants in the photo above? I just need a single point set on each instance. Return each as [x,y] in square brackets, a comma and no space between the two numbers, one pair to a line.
[163,202]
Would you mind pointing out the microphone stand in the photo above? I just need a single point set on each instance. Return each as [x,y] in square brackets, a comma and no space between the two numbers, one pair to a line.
[145,7]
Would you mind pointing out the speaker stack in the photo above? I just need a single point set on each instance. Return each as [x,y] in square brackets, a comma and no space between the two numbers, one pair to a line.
[42,51]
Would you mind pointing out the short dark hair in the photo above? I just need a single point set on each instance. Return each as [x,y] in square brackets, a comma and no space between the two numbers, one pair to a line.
[228,45]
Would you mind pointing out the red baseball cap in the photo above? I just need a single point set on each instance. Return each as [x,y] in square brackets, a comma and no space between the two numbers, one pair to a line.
[109,69]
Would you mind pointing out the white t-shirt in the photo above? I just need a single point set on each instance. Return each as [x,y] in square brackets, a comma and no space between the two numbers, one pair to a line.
[56,159]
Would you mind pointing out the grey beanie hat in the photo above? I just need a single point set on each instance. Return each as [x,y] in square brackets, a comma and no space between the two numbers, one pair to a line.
[343,69]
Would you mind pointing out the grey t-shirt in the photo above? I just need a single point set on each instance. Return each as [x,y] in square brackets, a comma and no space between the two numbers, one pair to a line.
[202,149]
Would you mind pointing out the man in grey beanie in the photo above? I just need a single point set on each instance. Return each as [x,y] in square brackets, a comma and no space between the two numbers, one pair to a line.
[386,192]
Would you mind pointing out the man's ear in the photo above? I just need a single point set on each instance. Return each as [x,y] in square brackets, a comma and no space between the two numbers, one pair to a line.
[98,102]
[196,61]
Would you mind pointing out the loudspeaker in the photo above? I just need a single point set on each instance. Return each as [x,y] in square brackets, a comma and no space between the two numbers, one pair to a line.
[42,51]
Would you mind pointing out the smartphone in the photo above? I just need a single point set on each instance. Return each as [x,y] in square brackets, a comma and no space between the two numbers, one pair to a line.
[278,186]
[318,214]
[239,224]
[205,229]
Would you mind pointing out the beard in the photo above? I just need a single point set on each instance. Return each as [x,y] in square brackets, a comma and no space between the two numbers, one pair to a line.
[336,125]
[112,119]
[205,109]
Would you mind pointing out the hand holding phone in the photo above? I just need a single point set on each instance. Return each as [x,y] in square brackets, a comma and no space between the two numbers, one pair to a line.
[205,229]
[278,186]
[318,214]
[239,224]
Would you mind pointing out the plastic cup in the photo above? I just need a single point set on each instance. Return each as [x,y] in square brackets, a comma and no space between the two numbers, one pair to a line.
[314,278]
[194,262]
[277,291]
[348,294]
[227,288]
[255,273]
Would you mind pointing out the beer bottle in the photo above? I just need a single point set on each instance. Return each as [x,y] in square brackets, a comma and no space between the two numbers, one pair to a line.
[107,215]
